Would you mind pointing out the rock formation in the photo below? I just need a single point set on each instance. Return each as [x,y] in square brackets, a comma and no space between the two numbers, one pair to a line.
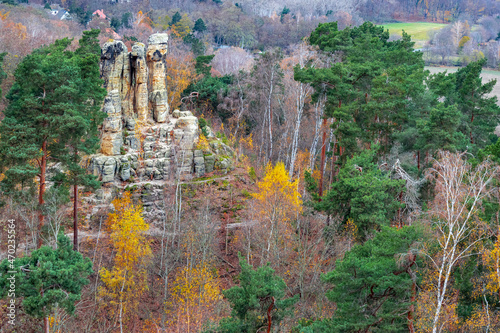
[141,140]
[157,85]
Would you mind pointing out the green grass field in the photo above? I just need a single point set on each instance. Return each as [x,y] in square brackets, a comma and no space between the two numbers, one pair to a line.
[419,31]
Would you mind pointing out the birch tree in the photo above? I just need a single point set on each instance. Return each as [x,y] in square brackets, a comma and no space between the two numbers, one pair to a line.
[460,189]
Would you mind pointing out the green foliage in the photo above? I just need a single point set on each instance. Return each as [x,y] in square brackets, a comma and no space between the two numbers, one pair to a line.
[491,151]
[126,20]
[252,174]
[480,114]
[369,89]
[208,86]
[130,38]
[82,136]
[3,75]
[372,285]
[311,185]
[115,23]
[83,16]
[197,46]
[176,18]
[439,130]
[363,193]
[47,6]
[202,66]
[258,291]
[48,278]
[199,26]
[203,126]
[285,11]
[55,101]
[9,2]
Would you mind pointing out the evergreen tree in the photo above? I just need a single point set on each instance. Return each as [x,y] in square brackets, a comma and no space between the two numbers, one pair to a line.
[257,303]
[208,87]
[126,20]
[54,103]
[440,130]
[464,89]
[363,193]
[3,75]
[83,135]
[374,285]
[47,278]
[197,46]
[199,26]
[115,23]
[176,18]
[369,85]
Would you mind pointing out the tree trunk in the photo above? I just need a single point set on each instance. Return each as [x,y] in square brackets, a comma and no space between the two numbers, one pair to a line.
[41,192]
[322,165]
[269,322]
[46,327]
[411,327]
[75,217]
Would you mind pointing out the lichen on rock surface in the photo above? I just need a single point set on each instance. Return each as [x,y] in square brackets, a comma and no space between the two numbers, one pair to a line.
[141,139]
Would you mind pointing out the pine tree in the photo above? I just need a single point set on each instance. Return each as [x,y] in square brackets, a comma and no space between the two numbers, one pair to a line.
[38,116]
[53,115]
[176,18]
[199,26]
[258,302]
[47,278]
[369,85]
[374,285]
[3,75]
[83,135]
[464,88]
[363,193]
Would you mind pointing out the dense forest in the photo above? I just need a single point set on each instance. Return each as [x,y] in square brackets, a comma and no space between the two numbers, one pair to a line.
[352,191]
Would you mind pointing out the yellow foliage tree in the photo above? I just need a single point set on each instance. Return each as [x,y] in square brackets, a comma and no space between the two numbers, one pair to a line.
[463,40]
[127,280]
[278,200]
[194,293]
[143,19]
[182,28]
[491,260]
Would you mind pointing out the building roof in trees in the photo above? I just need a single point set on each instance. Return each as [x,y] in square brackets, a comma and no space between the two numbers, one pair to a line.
[100,13]
[62,15]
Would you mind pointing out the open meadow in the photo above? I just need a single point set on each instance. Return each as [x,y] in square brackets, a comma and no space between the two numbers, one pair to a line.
[419,31]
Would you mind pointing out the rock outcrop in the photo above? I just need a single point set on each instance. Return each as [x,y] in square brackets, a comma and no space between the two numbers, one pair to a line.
[141,140]
[156,59]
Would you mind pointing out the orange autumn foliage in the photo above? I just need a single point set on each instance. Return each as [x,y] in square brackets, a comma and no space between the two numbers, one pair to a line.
[180,73]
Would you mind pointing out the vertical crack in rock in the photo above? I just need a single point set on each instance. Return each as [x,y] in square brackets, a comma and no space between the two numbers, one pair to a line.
[164,147]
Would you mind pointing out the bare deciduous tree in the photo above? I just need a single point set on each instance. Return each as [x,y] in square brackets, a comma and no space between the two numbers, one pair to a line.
[460,190]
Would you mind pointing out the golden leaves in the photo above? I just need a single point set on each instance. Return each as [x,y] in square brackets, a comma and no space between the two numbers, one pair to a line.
[194,293]
[180,73]
[127,280]
[277,191]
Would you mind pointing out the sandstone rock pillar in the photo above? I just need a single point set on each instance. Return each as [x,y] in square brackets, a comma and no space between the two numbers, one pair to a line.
[139,81]
[114,58]
[157,85]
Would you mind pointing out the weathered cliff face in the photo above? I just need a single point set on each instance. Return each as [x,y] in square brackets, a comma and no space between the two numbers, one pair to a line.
[157,85]
[141,140]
